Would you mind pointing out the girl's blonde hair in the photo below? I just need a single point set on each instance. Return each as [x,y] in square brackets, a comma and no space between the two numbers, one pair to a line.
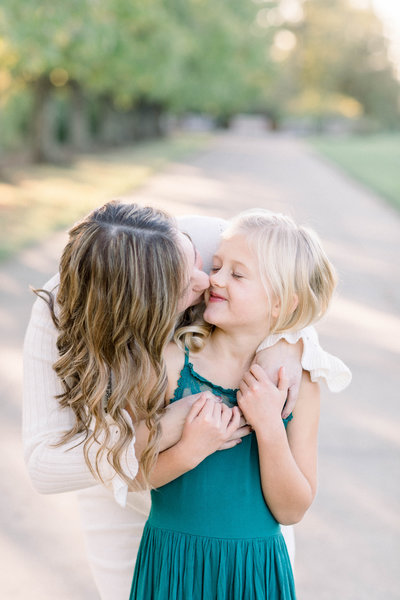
[121,276]
[294,268]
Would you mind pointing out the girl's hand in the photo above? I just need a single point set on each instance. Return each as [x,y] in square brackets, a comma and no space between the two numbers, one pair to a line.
[209,427]
[288,355]
[260,400]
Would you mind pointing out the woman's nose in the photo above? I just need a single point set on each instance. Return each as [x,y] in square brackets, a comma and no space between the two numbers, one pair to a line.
[201,281]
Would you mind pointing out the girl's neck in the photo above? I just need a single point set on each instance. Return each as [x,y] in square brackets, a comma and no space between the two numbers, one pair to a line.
[239,345]
[226,356]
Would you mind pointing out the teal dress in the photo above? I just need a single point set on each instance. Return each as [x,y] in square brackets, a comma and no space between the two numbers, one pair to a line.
[210,534]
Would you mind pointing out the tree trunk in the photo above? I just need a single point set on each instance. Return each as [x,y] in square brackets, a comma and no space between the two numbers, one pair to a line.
[42,135]
[79,125]
[149,122]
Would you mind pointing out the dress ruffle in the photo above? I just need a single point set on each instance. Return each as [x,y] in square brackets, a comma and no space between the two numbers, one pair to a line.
[179,566]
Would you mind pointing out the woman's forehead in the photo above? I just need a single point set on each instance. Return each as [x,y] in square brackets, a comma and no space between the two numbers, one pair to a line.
[187,247]
[205,233]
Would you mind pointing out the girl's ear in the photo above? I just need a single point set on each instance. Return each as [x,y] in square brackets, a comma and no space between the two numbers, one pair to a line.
[295,303]
[276,306]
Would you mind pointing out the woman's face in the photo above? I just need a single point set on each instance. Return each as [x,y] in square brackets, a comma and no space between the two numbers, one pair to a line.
[197,280]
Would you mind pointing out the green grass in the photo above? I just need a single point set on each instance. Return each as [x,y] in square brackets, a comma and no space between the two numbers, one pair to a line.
[373,160]
[36,200]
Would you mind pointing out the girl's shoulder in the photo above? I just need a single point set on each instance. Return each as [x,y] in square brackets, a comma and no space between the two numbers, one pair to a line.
[175,359]
[174,354]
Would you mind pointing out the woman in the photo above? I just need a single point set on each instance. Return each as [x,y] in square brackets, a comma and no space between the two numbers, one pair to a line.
[113,530]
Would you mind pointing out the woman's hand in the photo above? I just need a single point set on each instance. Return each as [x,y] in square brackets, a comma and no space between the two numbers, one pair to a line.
[236,436]
[288,355]
[173,420]
[210,426]
[260,400]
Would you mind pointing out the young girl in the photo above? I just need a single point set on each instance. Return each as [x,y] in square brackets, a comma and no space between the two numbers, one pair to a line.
[213,532]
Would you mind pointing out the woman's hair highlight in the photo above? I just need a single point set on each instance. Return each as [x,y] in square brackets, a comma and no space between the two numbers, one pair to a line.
[121,276]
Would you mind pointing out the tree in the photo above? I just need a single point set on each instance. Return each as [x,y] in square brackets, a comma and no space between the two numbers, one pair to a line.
[121,51]
[341,52]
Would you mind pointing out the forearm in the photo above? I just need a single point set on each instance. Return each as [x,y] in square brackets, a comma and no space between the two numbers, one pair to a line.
[52,469]
[286,490]
[173,420]
[209,426]
[171,464]
[172,461]
[172,423]
[56,470]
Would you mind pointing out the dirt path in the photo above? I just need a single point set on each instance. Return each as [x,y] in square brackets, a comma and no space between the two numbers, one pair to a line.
[348,545]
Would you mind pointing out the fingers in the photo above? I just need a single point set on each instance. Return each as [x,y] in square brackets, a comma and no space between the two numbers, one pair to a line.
[260,374]
[247,380]
[254,377]
[291,400]
[254,382]
[236,437]
[283,382]
[216,413]
[247,383]
[194,397]
[196,408]
[205,401]
[240,432]
[234,422]
[230,444]
[226,415]
[242,421]
[222,415]
[211,408]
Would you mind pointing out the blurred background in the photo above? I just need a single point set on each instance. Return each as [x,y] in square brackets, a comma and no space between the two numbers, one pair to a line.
[209,107]
[92,75]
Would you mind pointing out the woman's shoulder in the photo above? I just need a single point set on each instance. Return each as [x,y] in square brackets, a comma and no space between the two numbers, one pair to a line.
[41,307]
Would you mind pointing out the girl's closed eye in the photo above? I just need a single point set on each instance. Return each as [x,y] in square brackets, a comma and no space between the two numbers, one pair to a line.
[237,276]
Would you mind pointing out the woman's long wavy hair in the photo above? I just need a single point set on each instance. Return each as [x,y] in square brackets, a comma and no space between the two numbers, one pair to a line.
[121,276]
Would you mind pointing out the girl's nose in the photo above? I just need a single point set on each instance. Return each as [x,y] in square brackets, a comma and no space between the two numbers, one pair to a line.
[217,278]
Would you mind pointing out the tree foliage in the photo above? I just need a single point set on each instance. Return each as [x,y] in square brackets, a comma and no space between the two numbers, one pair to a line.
[341,53]
[89,67]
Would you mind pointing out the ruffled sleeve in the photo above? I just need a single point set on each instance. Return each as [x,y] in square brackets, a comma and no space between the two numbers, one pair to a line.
[319,363]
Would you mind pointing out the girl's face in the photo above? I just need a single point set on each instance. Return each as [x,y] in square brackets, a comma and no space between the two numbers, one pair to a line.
[237,297]
[197,280]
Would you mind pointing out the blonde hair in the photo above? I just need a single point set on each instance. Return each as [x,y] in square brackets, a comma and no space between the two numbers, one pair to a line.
[293,266]
[192,331]
[121,277]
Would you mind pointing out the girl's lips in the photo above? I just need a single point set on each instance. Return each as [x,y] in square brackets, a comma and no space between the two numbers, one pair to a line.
[215,298]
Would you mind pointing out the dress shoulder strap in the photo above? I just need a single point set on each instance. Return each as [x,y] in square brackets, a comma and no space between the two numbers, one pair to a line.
[186,356]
